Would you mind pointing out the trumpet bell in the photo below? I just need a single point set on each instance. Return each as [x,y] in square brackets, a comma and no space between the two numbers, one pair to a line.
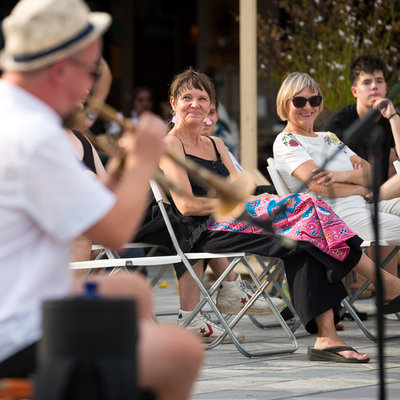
[233,194]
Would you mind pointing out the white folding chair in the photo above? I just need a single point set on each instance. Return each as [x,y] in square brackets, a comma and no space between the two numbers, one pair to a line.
[116,263]
[121,264]
[277,181]
[207,294]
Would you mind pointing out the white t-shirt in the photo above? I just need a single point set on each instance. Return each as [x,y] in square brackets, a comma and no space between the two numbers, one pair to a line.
[46,200]
[291,150]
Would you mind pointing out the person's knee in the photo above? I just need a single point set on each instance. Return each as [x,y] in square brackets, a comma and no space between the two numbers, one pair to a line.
[183,346]
[391,206]
[191,346]
[167,354]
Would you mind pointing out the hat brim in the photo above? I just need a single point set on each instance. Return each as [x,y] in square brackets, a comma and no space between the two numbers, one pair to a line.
[100,22]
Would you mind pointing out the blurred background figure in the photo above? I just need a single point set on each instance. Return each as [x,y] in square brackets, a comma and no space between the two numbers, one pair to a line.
[165,111]
[212,128]
[225,128]
[142,101]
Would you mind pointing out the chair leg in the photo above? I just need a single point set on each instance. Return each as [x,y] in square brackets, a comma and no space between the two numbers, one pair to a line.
[228,327]
[272,277]
[349,301]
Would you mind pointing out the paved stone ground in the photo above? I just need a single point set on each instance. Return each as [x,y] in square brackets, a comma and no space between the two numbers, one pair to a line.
[227,374]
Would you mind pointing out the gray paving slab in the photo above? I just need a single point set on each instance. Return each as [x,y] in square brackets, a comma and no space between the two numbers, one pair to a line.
[227,374]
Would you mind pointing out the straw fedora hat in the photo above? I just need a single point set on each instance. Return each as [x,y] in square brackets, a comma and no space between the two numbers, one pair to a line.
[39,32]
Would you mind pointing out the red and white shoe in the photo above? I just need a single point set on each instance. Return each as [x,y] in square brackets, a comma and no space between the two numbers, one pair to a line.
[207,330]
[233,296]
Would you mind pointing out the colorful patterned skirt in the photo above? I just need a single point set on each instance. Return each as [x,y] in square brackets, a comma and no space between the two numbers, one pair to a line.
[300,216]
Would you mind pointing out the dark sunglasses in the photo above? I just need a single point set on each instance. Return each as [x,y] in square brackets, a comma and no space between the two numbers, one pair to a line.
[300,102]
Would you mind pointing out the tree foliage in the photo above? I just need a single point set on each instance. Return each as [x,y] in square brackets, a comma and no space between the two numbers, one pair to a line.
[322,37]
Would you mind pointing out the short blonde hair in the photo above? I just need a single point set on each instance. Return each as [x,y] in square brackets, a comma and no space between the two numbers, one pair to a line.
[293,84]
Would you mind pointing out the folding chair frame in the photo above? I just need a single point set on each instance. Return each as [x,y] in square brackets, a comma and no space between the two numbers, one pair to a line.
[237,257]
[349,301]
[270,271]
[118,263]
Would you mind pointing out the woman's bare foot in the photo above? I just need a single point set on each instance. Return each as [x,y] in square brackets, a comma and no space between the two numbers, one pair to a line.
[324,342]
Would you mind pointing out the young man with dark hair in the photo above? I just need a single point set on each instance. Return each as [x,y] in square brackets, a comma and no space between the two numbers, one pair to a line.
[368,75]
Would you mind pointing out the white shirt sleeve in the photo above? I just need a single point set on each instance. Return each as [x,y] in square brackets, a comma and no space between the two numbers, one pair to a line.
[59,195]
[289,154]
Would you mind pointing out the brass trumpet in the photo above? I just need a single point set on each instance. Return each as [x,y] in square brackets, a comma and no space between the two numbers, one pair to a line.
[232,193]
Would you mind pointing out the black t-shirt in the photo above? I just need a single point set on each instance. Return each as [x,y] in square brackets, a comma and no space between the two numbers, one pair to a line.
[341,119]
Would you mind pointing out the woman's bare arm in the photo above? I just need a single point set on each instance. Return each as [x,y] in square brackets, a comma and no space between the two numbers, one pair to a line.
[334,189]
[359,175]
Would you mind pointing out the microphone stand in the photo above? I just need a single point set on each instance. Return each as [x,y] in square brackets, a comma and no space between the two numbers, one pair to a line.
[376,147]
[365,129]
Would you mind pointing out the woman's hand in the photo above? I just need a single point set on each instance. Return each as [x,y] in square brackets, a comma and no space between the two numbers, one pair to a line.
[327,177]
[367,194]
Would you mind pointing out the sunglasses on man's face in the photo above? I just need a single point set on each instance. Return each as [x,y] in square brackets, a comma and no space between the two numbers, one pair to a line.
[300,102]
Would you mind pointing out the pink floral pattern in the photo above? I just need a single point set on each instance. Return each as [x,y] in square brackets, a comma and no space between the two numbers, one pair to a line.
[290,140]
[303,217]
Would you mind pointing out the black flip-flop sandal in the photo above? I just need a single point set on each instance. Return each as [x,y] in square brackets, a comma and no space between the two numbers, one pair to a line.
[331,354]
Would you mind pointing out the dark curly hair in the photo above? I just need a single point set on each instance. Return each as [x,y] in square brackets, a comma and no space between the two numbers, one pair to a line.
[368,64]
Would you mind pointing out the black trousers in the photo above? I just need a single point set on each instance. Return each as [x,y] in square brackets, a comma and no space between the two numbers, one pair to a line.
[314,278]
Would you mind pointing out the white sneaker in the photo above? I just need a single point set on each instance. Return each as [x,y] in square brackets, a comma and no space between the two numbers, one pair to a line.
[391,317]
[206,329]
[233,296]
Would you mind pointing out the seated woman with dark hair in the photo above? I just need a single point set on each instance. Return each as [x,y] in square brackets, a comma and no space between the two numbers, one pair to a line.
[314,268]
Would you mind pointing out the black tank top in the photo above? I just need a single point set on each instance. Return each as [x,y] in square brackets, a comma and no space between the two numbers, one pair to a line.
[217,167]
[88,158]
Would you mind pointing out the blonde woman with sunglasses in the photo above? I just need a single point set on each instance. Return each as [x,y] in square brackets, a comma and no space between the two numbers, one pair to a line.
[300,153]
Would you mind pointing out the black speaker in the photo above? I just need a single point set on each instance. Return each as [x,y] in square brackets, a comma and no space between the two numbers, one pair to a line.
[88,350]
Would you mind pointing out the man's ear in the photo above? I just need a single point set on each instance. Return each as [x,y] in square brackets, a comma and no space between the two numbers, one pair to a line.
[354,91]
[56,70]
